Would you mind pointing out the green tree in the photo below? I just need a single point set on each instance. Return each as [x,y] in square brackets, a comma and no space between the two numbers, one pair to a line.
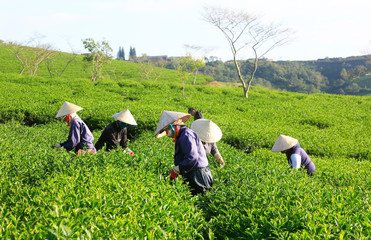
[184,66]
[121,54]
[132,54]
[196,65]
[344,74]
[100,54]
[353,88]
[357,71]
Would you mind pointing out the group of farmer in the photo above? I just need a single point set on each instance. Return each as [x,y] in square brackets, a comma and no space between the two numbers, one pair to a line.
[192,145]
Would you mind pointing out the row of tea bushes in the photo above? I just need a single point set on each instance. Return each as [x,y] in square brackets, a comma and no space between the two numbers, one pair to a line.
[326,125]
[53,194]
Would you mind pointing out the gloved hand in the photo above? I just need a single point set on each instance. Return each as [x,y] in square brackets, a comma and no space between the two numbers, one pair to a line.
[57,146]
[220,160]
[128,151]
[174,173]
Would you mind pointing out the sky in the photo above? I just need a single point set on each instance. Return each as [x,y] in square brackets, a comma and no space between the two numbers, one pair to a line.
[322,28]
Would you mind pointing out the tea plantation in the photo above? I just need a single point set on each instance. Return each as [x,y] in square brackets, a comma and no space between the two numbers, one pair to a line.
[49,194]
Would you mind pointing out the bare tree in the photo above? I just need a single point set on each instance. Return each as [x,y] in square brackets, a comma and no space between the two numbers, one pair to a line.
[17,50]
[148,68]
[115,75]
[41,53]
[31,54]
[67,58]
[246,30]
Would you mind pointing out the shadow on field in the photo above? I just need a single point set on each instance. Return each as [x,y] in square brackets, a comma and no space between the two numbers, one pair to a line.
[26,118]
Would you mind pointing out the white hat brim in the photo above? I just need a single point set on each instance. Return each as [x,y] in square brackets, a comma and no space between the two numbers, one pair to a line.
[67,108]
[126,117]
[207,130]
[168,117]
[283,143]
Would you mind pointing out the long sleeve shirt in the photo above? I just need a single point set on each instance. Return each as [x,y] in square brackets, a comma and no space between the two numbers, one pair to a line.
[297,158]
[189,152]
[113,136]
[79,136]
[210,148]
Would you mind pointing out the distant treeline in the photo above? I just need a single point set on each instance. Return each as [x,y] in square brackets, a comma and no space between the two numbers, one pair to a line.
[350,75]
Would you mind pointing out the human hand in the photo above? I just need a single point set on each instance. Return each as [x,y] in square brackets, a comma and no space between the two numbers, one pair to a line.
[173,175]
[175,172]
[57,146]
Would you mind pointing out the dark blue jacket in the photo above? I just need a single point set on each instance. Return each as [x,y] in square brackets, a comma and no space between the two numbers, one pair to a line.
[306,162]
[79,137]
[189,152]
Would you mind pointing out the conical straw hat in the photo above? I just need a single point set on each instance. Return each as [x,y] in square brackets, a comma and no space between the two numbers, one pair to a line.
[126,117]
[283,143]
[207,130]
[168,117]
[68,108]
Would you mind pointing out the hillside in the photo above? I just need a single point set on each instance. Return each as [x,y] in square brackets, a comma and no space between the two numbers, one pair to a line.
[346,76]
[49,194]
[67,65]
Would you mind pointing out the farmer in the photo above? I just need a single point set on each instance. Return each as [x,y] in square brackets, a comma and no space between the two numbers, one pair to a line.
[189,158]
[296,156]
[80,138]
[209,133]
[115,133]
[195,114]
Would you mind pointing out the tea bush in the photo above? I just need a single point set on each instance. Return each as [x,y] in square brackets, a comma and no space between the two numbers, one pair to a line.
[49,194]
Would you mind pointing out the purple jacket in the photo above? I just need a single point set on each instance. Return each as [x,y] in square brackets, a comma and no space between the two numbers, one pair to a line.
[79,137]
[305,159]
[189,152]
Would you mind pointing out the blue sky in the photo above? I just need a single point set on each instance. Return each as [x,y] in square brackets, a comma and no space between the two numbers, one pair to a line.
[323,28]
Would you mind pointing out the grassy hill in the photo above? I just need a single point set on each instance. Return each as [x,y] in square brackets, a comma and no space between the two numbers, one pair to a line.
[52,194]
[115,70]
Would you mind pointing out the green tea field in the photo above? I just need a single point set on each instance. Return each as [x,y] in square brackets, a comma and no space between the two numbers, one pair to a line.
[50,194]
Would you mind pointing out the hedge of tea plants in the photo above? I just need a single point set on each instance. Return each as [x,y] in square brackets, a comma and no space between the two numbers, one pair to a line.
[49,194]
[326,125]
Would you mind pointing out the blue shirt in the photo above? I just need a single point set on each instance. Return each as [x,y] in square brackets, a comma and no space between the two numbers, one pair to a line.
[189,152]
[305,159]
[79,137]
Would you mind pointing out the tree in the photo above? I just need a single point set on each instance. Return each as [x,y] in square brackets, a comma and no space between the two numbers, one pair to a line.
[31,54]
[241,30]
[100,53]
[17,50]
[121,54]
[195,63]
[184,64]
[68,59]
[357,71]
[344,74]
[353,88]
[132,54]
[147,69]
